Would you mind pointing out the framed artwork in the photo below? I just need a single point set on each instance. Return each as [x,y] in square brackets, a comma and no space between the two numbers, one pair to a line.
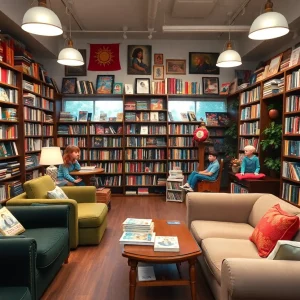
[176,66]
[158,59]
[69,85]
[142,86]
[274,65]
[128,88]
[78,70]
[253,78]
[210,85]
[104,84]
[233,86]
[158,72]
[118,88]
[203,63]
[139,60]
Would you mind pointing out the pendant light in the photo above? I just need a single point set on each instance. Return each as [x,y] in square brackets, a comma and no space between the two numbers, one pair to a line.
[41,20]
[70,56]
[269,25]
[229,58]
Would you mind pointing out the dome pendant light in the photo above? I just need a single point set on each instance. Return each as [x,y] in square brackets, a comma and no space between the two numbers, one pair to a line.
[41,21]
[269,25]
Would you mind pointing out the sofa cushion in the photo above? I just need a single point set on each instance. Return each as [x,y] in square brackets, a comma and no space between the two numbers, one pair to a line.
[37,188]
[15,292]
[215,250]
[286,250]
[57,193]
[91,215]
[275,225]
[50,242]
[213,229]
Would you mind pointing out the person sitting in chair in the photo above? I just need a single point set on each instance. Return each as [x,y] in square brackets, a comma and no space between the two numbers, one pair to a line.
[210,174]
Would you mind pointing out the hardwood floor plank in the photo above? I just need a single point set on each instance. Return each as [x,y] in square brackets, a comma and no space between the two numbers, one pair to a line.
[101,273]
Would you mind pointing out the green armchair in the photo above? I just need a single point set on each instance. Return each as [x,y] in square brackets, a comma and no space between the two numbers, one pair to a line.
[87,220]
[30,261]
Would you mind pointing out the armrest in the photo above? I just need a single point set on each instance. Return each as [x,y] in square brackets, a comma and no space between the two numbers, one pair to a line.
[18,262]
[260,279]
[41,216]
[82,194]
[221,207]
[73,215]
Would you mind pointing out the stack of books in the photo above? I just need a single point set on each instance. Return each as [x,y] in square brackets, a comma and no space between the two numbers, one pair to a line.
[138,232]
[273,86]
[166,244]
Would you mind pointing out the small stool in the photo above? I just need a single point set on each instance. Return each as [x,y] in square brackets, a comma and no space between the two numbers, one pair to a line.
[104,196]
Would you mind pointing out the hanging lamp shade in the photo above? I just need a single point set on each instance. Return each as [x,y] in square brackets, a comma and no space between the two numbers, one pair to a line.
[41,21]
[70,56]
[269,25]
[229,58]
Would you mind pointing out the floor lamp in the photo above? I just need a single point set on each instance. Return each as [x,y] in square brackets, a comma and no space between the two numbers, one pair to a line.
[51,156]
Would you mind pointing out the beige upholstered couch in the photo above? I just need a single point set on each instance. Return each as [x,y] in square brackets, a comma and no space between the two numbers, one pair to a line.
[222,224]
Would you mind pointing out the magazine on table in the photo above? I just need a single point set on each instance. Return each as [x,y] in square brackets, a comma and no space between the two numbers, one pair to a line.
[137,238]
[166,244]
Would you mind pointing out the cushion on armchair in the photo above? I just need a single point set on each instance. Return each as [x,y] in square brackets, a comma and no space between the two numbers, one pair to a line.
[275,225]
[57,193]
[37,188]
[286,250]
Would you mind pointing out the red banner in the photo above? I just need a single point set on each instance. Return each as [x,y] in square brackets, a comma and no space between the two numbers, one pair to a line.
[104,57]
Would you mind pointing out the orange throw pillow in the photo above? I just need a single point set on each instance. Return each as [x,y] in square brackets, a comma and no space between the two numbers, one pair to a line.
[275,225]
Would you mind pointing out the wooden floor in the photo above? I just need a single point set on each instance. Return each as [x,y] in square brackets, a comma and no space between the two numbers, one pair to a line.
[100,272]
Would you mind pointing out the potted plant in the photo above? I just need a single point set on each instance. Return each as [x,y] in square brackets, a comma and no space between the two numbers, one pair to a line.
[235,165]
[273,164]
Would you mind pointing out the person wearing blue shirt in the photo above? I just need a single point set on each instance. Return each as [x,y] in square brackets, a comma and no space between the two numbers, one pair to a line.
[137,61]
[210,174]
[71,154]
[250,163]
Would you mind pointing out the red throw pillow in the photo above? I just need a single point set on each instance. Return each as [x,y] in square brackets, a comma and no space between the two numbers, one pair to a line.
[250,176]
[275,225]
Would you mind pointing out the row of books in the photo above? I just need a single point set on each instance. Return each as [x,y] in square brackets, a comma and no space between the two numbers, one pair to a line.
[115,180]
[8,113]
[32,144]
[293,80]
[250,96]
[292,103]
[71,129]
[8,149]
[105,155]
[292,148]
[10,189]
[291,193]
[146,141]
[8,131]
[182,128]
[8,76]
[175,196]
[85,87]
[9,95]
[144,180]
[65,116]
[143,167]
[32,161]
[145,117]
[250,112]
[110,167]
[183,166]
[291,170]
[47,130]
[65,141]
[145,154]
[237,189]
[251,141]
[152,104]
[180,141]
[183,154]
[32,129]
[99,141]
[250,128]
[217,119]
[273,86]
[31,114]
[292,125]
[38,102]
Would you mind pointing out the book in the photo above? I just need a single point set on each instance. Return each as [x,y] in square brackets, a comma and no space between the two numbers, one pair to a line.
[184,117]
[136,238]
[170,116]
[144,130]
[156,104]
[139,222]
[87,168]
[83,116]
[103,116]
[166,244]
[3,95]
[225,88]
[212,119]
[131,105]
[119,117]
[146,273]
[89,117]
[191,116]
[154,116]
[9,225]
[98,141]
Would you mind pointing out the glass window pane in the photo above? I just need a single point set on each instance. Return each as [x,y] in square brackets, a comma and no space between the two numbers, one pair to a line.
[110,107]
[209,106]
[177,107]
[74,106]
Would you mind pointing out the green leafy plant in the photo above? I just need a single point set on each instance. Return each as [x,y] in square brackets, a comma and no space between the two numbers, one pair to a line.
[272,135]
[230,141]
[273,164]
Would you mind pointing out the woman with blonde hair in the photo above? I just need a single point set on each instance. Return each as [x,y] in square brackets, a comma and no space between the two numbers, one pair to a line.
[71,154]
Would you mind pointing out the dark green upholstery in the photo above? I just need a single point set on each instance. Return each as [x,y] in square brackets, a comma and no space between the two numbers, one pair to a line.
[16,292]
[32,259]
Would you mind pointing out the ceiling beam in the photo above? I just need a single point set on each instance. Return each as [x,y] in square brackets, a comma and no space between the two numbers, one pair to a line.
[206,28]
[152,12]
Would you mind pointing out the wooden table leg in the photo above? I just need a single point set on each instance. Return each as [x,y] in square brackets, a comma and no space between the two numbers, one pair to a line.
[132,278]
[192,264]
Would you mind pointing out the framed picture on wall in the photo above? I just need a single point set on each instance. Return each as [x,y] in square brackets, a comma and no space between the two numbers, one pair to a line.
[68,85]
[203,63]
[77,70]
[158,59]
[210,85]
[142,86]
[176,66]
[274,65]
[139,60]
[158,72]
[104,84]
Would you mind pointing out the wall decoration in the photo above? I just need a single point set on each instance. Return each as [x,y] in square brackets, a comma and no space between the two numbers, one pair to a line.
[139,60]
[176,66]
[77,70]
[274,65]
[158,72]
[69,85]
[118,88]
[210,85]
[158,59]
[142,86]
[203,63]
[104,84]
[128,88]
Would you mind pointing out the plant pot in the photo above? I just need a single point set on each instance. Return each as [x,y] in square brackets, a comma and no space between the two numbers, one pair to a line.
[273,113]
[274,174]
[235,169]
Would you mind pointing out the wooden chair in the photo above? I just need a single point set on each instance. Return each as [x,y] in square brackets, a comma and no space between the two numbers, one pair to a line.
[211,186]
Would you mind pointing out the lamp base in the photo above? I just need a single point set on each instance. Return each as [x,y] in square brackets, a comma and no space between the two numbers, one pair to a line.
[52,172]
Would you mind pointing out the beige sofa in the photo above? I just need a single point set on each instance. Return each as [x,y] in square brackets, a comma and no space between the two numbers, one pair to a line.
[222,224]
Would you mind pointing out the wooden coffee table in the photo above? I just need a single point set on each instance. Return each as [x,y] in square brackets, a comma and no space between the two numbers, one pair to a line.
[189,250]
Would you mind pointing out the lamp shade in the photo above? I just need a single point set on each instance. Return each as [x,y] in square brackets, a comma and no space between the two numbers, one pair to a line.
[229,58]
[268,25]
[41,21]
[70,57]
[51,156]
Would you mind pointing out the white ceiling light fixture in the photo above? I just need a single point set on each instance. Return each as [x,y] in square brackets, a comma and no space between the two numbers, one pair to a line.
[70,56]
[269,25]
[41,20]
[125,28]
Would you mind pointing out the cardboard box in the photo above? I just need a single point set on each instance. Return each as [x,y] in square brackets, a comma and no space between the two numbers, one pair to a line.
[104,196]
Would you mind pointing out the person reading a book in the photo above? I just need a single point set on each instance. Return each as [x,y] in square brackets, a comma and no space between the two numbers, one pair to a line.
[210,174]
[250,162]
[71,154]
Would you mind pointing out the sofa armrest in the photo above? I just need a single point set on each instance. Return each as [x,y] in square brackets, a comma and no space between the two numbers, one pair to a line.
[42,216]
[221,207]
[73,215]
[260,279]
[82,194]
[18,262]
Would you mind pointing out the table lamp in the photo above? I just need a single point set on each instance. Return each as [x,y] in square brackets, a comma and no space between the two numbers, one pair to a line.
[51,156]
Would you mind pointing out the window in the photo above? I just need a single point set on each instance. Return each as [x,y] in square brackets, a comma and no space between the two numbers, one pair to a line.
[74,106]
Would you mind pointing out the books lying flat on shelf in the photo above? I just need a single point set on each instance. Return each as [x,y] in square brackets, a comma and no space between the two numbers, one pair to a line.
[166,244]
[146,273]
[9,225]
[175,174]
[87,168]
[139,222]
[136,238]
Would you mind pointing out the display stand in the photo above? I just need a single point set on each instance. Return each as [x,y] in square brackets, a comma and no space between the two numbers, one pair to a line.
[173,191]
